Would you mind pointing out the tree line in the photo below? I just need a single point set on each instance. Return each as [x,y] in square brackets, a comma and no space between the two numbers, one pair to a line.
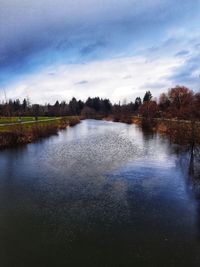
[179,102]
[92,106]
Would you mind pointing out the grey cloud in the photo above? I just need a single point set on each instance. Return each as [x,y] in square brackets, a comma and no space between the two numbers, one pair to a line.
[150,86]
[182,53]
[188,73]
[81,82]
[41,32]
[127,77]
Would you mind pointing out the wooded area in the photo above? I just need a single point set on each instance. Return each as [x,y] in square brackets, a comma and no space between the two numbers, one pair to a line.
[179,102]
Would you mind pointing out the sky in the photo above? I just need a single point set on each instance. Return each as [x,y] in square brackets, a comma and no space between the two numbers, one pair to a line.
[58,49]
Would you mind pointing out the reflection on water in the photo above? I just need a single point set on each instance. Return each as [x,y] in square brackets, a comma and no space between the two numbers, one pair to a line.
[99,194]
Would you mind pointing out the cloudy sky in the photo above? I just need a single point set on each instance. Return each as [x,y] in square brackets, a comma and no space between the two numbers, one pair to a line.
[56,49]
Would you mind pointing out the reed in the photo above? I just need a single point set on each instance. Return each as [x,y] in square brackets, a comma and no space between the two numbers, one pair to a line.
[14,135]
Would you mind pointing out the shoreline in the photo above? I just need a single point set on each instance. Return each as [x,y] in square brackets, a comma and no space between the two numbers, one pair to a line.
[25,133]
[179,131]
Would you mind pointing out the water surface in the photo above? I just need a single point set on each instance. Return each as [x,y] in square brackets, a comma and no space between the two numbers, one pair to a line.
[98,194]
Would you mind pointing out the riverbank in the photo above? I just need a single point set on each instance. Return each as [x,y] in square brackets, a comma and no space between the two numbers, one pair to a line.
[27,132]
[179,131]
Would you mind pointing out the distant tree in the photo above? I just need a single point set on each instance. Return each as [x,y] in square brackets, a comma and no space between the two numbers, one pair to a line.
[179,102]
[74,107]
[181,99]
[24,105]
[138,103]
[149,109]
[57,104]
[147,96]
[15,105]
[89,102]
[63,108]
[88,112]
[80,106]
[116,112]
[196,106]
[106,106]
[36,110]
[131,107]
[164,101]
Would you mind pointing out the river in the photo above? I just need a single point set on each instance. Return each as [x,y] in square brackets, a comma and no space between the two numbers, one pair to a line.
[98,194]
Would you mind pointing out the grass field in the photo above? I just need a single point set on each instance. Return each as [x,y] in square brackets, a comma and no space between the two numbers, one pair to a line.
[4,120]
[27,123]
[13,133]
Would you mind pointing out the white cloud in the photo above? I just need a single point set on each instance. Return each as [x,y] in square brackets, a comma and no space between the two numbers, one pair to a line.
[101,78]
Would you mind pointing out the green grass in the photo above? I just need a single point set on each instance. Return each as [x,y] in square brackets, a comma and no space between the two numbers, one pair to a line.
[4,120]
[27,126]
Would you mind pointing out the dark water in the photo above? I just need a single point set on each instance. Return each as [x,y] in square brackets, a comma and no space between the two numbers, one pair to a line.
[99,194]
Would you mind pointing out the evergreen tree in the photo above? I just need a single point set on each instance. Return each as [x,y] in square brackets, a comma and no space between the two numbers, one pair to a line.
[138,103]
[147,96]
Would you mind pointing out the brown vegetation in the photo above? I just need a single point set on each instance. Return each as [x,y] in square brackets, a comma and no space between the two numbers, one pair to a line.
[22,134]
[180,131]
[164,115]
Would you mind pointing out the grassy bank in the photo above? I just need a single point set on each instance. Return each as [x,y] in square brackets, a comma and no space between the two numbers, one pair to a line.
[179,131]
[29,131]
[5,120]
